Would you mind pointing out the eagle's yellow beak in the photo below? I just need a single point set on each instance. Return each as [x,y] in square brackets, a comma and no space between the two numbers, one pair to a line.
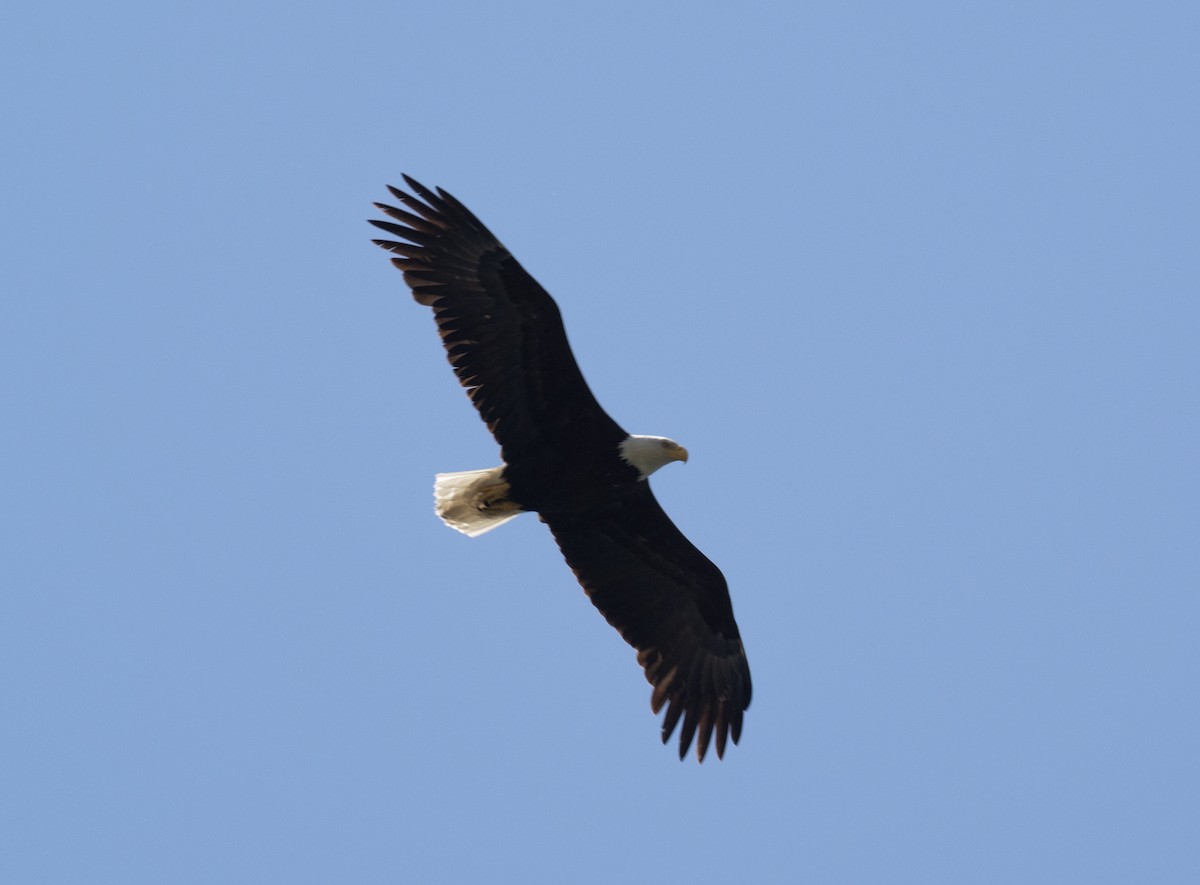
[679,453]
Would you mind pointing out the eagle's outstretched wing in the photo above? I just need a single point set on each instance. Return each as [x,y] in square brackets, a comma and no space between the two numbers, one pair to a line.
[671,604]
[502,331]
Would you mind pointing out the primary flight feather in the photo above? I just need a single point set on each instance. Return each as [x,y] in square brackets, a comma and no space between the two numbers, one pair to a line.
[568,461]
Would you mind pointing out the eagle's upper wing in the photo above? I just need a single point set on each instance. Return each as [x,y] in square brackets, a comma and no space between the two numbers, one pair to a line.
[671,604]
[502,331]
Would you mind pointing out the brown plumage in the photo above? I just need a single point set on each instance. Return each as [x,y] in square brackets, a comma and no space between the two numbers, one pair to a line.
[568,461]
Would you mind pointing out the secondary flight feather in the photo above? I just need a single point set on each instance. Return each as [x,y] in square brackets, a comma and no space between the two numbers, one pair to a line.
[568,461]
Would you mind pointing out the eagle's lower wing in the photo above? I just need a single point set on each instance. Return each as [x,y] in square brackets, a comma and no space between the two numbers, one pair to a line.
[671,604]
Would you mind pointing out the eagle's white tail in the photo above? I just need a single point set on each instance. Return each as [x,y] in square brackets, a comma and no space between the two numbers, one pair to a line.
[473,501]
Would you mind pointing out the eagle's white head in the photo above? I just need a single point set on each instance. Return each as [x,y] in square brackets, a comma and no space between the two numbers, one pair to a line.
[648,453]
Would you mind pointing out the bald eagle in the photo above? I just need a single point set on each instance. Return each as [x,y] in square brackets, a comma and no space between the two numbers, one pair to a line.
[568,461]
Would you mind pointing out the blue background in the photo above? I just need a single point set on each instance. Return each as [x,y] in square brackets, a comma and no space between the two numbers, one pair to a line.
[917,285]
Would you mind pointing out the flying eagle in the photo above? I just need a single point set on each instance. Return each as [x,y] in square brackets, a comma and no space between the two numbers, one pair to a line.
[568,461]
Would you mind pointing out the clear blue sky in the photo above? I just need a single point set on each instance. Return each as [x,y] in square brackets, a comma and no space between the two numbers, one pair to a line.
[917,284]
